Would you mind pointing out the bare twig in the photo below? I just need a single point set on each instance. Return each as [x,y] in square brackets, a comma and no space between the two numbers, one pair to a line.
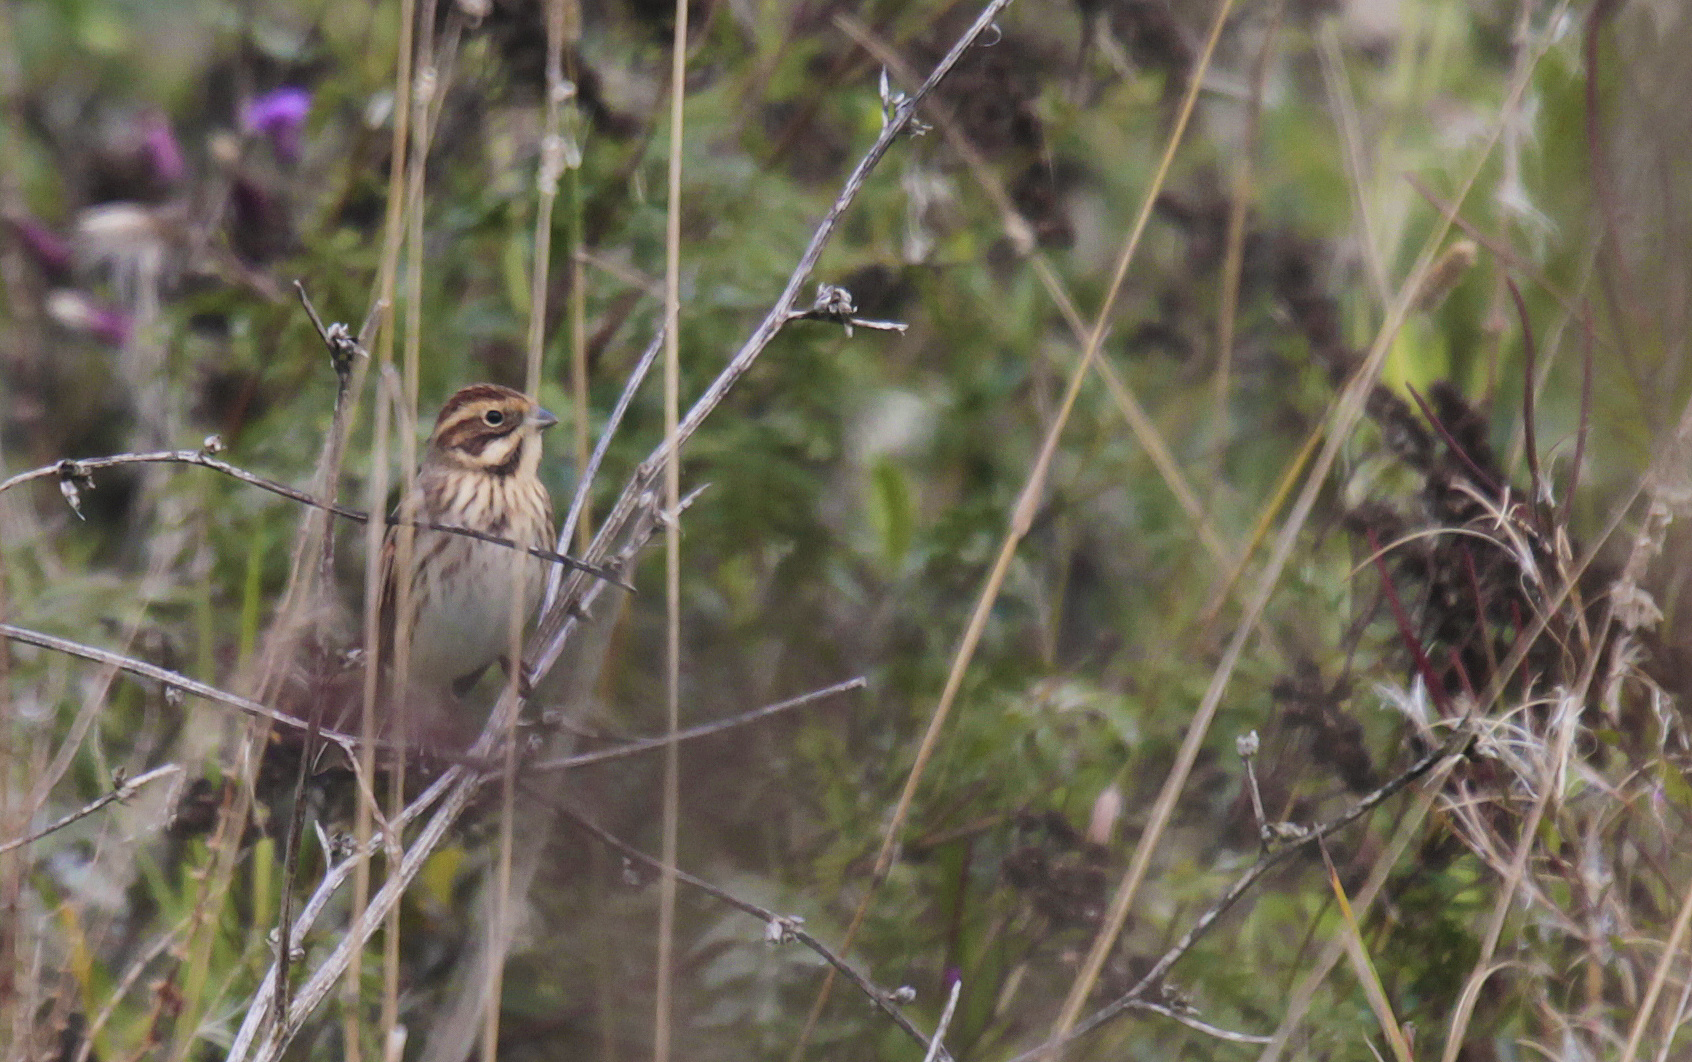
[122,789]
[76,473]
[778,315]
[1247,745]
[168,678]
[345,355]
[781,928]
[1136,997]
[1197,1024]
[834,303]
[590,471]
[934,1045]
[703,730]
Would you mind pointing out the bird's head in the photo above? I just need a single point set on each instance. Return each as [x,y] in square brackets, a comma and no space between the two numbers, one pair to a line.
[490,429]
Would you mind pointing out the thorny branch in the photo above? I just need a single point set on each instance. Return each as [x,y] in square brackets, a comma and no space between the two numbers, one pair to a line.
[122,789]
[1139,997]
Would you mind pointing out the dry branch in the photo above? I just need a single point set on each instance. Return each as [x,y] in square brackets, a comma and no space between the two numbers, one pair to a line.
[780,929]
[74,474]
[122,789]
[632,748]
[1139,996]
[170,679]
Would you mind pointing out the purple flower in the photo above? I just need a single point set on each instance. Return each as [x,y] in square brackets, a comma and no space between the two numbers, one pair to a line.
[78,312]
[159,142]
[50,251]
[278,115]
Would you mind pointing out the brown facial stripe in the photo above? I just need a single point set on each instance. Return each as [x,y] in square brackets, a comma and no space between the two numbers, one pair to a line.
[485,392]
[472,436]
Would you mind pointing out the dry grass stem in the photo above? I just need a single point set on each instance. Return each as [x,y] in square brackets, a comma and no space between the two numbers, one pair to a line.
[1347,411]
[1307,562]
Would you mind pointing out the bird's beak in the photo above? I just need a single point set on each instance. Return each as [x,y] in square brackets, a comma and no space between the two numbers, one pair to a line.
[543,420]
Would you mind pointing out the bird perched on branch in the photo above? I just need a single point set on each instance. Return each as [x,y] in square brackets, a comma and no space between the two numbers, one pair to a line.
[466,605]
[466,596]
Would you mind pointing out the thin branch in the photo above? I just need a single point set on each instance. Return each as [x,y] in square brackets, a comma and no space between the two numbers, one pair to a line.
[934,1045]
[896,123]
[584,483]
[170,679]
[780,928]
[834,303]
[703,730]
[75,473]
[1199,1025]
[1135,997]
[121,790]
[345,355]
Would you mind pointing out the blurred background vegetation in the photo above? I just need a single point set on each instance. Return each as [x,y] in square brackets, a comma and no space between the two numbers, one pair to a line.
[168,169]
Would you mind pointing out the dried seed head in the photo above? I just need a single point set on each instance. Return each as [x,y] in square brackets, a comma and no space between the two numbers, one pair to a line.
[1445,273]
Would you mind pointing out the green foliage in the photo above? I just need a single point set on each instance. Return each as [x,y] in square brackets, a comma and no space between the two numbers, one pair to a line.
[860,490]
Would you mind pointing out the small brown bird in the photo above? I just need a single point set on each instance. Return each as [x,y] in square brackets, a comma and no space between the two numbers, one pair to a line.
[481,473]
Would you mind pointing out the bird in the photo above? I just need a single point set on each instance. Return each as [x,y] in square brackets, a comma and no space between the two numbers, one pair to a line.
[481,472]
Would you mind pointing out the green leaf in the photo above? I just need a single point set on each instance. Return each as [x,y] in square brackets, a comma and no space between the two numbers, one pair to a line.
[891,511]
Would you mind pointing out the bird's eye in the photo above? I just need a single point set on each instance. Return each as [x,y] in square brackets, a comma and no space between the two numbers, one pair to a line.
[493,418]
